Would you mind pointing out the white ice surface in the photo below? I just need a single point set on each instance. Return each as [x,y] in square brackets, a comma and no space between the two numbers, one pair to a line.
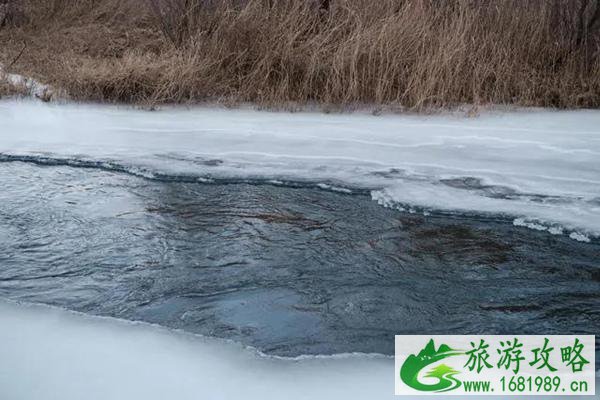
[51,354]
[539,167]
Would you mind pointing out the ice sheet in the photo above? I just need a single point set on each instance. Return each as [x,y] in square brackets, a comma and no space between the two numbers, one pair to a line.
[52,354]
[538,167]
[47,353]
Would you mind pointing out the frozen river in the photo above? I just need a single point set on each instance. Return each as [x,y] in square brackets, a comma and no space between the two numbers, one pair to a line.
[298,234]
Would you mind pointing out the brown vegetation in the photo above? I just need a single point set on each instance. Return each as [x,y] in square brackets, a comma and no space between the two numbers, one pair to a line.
[416,54]
[9,90]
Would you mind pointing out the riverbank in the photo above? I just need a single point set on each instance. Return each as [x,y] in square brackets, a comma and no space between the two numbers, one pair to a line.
[401,55]
[116,359]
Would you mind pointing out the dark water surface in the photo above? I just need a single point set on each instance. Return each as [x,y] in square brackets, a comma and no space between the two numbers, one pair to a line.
[289,270]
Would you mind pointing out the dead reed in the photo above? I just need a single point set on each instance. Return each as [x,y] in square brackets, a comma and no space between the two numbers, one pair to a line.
[416,54]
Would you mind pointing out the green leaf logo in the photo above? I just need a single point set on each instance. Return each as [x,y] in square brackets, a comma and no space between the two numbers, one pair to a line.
[409,373]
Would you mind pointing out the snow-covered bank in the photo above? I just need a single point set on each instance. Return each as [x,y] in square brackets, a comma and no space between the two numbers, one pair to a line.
[540,168]
[30,86]
[50,354]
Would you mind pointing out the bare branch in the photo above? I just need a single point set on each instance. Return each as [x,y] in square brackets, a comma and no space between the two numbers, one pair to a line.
[17,57]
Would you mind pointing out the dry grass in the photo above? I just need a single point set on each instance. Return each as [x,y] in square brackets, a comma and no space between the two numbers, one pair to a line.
[416,54]
[10,90]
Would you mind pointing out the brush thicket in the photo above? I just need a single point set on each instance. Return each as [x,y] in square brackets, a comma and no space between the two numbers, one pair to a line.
[416,54]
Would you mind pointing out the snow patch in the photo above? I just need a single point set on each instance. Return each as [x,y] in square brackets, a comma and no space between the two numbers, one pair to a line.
[538,226]
[579,237]
[30,86]
[325,186]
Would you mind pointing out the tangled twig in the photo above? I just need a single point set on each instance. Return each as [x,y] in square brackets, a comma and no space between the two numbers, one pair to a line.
[17,57]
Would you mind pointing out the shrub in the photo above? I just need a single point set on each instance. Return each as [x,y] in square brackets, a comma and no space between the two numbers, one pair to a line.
[417,54]
[11,13]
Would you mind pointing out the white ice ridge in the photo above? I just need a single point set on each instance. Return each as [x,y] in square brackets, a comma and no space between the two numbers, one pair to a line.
[537,166]
[52,354]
